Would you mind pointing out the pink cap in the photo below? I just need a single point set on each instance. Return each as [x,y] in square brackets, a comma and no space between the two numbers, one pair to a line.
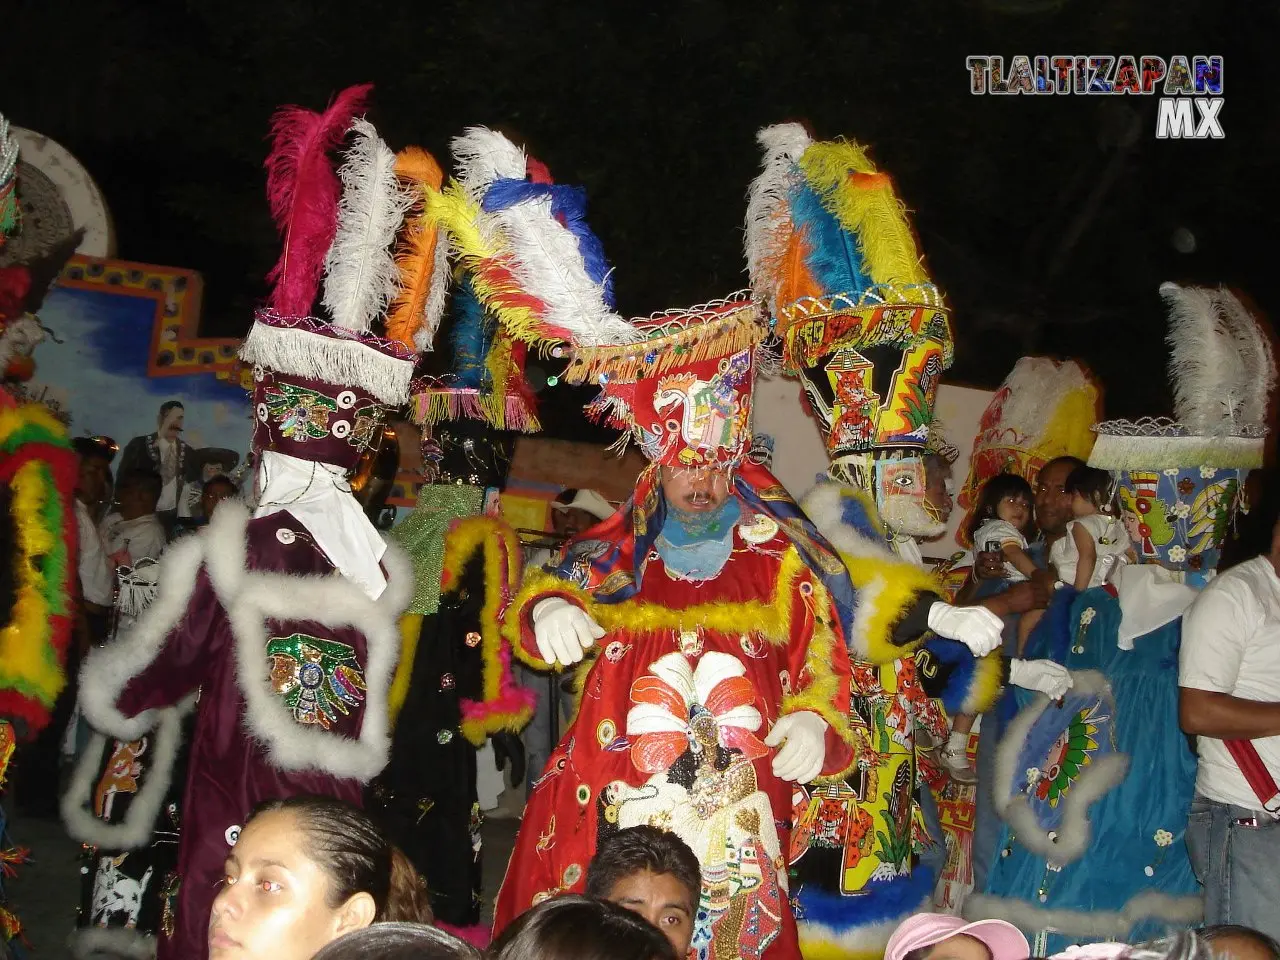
[1004,940]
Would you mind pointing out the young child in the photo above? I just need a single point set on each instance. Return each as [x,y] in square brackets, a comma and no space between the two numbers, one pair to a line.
[1004,516]
[935,936]
[653,873]
[1096,542]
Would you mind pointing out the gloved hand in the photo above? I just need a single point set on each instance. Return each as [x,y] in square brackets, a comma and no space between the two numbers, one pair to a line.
[976,627]
[801,757]
[562,630]
[1050,678]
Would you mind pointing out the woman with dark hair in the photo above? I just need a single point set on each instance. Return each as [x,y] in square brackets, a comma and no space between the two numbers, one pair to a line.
[572,927]
[303,872]
[399,941]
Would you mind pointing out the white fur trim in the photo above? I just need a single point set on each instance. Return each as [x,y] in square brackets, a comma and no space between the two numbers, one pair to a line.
[107,670]
[136,829]
[1148,905]
[1099,777]
[856,941]
[91,943]
[332,360]
[250,599]
[1121,447]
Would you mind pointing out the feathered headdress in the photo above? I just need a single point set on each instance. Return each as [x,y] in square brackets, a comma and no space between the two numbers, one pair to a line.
[1180,480]
[1222,369]
[534,263]
[1043,410]
[323,386]
[832,255]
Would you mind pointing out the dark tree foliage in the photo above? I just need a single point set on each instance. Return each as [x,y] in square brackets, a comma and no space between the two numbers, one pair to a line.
[654,108]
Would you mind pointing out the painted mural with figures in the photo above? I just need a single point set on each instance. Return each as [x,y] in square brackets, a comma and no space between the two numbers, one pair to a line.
[128,363]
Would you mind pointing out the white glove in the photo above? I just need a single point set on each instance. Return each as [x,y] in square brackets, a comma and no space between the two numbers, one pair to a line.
[976,627]
[562,630]
[800,759]
[1050,678]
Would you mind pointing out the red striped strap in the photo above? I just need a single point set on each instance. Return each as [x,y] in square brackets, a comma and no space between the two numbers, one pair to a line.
[1256,772]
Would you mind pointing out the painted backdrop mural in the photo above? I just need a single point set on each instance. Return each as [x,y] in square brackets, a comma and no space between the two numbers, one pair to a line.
[128,347]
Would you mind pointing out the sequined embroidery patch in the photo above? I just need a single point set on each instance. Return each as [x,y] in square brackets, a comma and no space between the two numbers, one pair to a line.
[444,737]
[606,732]
[319,680]
[302,414]
[473,639]
[447,682]
[760,529]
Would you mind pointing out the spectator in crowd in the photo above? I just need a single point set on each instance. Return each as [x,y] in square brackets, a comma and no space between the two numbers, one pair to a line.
[653,873]
[216,489]
[1229,699]
[935,936]
[1230,941]
[572,927]
[331,872]
[398,941]
[132,532]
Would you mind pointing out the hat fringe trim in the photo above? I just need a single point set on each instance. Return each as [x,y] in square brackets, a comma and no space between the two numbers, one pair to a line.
[338,361]
[708,335]
[1149,450]
[502,413]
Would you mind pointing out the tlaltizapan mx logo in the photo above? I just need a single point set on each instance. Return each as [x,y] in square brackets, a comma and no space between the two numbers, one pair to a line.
[1190,88]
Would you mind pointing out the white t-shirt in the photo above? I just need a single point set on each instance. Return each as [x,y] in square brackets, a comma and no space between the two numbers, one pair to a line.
[97,579]
[142,537]
[1231,644]
[1004,533]
[1110,540]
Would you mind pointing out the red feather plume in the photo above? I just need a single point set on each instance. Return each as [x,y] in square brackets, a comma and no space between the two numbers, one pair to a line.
[303,191]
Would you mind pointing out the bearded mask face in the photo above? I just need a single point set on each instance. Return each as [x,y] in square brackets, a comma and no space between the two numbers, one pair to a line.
[900,495]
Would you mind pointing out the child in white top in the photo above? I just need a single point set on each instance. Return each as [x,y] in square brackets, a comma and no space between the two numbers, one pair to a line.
[1001,521]
[1096,543]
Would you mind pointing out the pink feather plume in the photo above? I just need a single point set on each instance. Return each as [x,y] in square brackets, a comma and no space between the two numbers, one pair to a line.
[303,191]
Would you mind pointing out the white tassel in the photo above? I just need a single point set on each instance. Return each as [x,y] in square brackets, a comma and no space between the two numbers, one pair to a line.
[340,362]
[361,276]
[769,227]
[1256,356]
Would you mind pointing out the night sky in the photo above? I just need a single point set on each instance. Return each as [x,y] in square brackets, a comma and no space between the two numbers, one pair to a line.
[1047,235]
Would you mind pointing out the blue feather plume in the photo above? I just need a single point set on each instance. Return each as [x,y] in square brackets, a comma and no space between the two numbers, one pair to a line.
[879,902]
[569,207]
[469,337]
[832,256]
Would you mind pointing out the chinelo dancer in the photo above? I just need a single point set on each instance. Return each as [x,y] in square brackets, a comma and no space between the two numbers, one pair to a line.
[285,620]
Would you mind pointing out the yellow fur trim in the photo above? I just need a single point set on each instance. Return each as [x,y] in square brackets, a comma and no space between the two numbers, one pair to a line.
[27,660]
[410,630]
[897,585]
[501,570]
[864,202]
[820,696]
[771,620]
[987,684]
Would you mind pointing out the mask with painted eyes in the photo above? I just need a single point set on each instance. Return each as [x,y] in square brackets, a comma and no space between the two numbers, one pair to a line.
[900,495]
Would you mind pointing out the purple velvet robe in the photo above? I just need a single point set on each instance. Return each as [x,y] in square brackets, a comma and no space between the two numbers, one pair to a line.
[292,693]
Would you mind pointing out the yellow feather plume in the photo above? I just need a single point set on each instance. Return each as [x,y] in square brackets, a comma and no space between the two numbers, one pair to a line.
[864,202]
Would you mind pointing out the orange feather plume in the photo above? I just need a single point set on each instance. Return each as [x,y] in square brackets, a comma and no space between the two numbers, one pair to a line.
[415,313]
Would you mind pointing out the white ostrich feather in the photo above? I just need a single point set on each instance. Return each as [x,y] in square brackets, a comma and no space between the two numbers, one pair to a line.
[361,277]
[546,259]
[1256,356]
[769,227]
[483,156]
[1037,386]
[1205,366]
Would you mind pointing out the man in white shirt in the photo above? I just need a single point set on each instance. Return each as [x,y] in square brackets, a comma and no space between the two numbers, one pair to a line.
[1229,675]
[97,580]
